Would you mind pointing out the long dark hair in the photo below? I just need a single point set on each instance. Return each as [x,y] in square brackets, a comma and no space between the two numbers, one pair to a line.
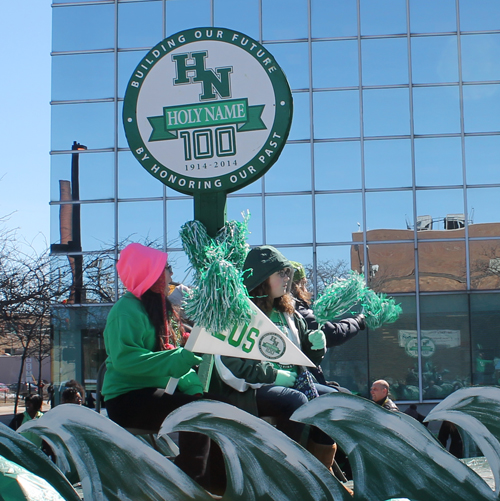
[300,292]
[153,304]
[260,297]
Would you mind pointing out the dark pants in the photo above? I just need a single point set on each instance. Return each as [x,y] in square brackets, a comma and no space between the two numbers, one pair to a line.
[281,403]
[147,408]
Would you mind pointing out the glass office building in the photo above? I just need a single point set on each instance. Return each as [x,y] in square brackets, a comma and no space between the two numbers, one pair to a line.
[391,168]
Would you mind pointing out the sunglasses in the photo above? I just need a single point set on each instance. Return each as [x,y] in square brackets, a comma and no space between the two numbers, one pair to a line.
[169,268]
[285,272]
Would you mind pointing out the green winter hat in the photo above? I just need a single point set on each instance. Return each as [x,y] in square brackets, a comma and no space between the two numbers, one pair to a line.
[260,263]
[300,273]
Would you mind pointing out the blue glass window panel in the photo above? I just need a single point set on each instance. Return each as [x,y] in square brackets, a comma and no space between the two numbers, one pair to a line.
[337,256]
[438,204]
[96,175]
[429,16]
[436,110]
[482,159]
[337,166]
[337,217]
[237,205]
[386,112]
[141,222]
[255,187]
[335,64]
[127,63]
[400,215]
[434,59]
[240,15]
[134,181]
[292,58]
[303,255]
[288,219]
[186,14]
[178,212]
[183,274]
[284,19]
[301,122]
[336,114]
[132,20]
[482,108]
[82,76]
[384,61]
[483,205]
[97,224]
[385,17]
[480,57]
[91,124]
[438,161]
[83,27]
[388,163]
[334,18]
[292,171]
[122,139]
[478,15]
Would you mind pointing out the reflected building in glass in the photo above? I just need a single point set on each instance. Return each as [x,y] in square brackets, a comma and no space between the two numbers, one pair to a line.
[392,169]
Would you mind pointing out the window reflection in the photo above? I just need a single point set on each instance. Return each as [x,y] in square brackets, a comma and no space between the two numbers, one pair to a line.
[400,217]
[96,176]
[127,62]
[484,255]
[301,122]
[131,15]
[91,123]
[440,214]
[436,110]
[478,15]
[292,58]
[434,59]
[82,76]
[429,16]
[292,171]
[83,27]
[237,205]
[134,181]
[385,17]
[398,342]
[482,108]
[482,161]
[181,267]
[438,161]
[384,61]
[178,212]
[389,268]
[445,334]
[186,14]
[335,64]
[141,222]
[333,18]
[484,205]
[240,16]
[284,19]
[386,112]
[480,57]
[337,165]
[388,163]
[288,219]
[336,114]
[338,216]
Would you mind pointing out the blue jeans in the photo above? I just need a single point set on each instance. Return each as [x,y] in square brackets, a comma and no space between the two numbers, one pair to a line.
[280,403]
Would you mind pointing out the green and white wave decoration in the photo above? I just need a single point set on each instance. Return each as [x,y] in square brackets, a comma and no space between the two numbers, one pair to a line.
[392,456]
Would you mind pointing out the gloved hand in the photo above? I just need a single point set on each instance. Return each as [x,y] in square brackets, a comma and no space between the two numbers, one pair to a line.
[317,340]
[361,321]
[181,361]
[285,378]
[190,384]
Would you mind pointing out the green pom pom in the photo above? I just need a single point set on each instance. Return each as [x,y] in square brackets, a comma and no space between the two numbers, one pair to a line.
[339,298]
[379,309]
[219,298]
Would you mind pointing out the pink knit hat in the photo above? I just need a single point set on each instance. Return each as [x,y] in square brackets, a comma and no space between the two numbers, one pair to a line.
[139,267]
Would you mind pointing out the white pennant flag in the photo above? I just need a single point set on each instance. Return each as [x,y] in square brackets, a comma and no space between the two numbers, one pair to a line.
[258,340]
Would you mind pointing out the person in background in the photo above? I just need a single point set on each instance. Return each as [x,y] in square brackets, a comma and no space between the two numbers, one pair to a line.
[380,395]
[265,388]
[144,341]
[73,383]
[33,411]
[450,431]
[71,396]
[336,333]
[413,412]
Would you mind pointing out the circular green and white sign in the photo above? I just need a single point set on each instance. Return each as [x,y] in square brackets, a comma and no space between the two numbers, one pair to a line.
[427,347]
[207,109]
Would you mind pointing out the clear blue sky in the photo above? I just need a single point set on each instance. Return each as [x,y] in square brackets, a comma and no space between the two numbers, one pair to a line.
[25,41]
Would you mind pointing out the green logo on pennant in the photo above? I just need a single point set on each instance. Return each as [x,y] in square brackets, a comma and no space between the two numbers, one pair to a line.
[207,109]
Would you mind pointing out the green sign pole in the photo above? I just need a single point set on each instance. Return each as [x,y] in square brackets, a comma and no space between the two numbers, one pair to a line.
[210,209]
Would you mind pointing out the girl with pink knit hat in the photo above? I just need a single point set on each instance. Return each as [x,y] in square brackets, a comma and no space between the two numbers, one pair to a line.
[144,338]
